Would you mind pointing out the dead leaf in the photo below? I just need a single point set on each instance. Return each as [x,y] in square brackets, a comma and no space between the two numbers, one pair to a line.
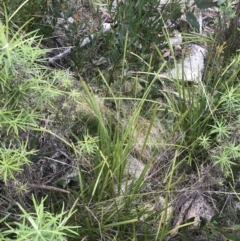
[76,15]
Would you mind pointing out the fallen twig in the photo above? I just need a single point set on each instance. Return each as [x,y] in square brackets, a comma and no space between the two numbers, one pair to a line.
[105,28]
[51,188]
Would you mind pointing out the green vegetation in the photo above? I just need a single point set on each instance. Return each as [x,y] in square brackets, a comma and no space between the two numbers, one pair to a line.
[102,148]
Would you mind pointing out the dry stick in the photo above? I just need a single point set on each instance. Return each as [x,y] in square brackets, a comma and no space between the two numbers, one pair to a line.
[51,188]
[105,28]
[200,20]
